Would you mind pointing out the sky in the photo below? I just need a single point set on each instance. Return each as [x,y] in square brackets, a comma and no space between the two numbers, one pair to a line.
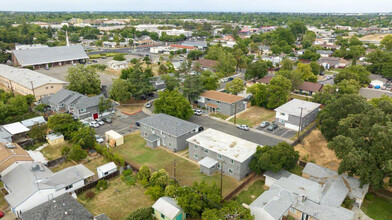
[350,6]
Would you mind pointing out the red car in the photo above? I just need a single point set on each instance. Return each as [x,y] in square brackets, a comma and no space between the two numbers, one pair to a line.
[1,214]
[370,86]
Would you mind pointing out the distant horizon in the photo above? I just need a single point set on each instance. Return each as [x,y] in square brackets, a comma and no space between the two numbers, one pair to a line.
[245,12]
[208,6]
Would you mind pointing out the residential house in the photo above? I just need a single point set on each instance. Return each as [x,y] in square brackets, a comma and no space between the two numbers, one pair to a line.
[25,82]
[301,52]
[332,62]
[166,208]
[17,130]
[11,155]
[265,49]
[326,176]
[215,150]
[167,131]
[5,136]
[106,169]
[301,199]
[46,57]
[117,65]
[158,83]
[207,64]
[309,88]
[40,120]
[31,184]
[80,106]
[62,207]
[296,114]
[325,53]
[221,102]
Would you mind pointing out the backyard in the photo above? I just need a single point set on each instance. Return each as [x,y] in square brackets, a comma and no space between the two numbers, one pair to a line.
[376,207]
[254,115]
[52,152]
[117,201]
[187,172]
[249,194]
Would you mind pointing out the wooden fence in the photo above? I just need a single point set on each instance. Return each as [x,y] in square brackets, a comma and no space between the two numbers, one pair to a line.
[54,162]
[240,187]
[302,136]
[92,184]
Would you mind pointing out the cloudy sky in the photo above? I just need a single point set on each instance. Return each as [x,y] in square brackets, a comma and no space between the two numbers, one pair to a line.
[200,5]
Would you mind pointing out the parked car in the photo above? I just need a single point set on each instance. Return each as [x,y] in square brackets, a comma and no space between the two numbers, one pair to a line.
[107,120]
[243,127]
[328,77]
[198,112]
[94,61]
[264,124]
[94,124]
[201,129]
[230,79]
[84,122]
[370,86]
[137,124]
[1,214]
[103,57]
[100,122]
[148,105]
[272,127]
[99,139]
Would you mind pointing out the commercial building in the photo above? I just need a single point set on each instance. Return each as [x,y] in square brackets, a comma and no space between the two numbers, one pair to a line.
[215,150]
[25,82]
[167,131]
[296,113]
[46,57]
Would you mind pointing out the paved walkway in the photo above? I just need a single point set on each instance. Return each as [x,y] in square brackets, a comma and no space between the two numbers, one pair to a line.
[359,214]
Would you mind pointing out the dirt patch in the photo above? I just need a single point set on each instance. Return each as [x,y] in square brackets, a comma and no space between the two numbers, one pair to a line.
[255,115]
[373,37]
[131,107]
[112,72]
[314,148]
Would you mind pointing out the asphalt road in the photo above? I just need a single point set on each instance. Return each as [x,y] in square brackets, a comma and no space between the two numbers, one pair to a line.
[373,93]
[232,130]
[120,123]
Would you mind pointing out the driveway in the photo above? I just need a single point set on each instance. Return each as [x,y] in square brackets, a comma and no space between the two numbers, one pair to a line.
[280,131]
[232,130]
[121,123]
[373,93]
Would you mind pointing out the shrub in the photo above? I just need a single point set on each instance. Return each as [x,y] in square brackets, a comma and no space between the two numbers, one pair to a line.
[99,66]
[119,57]
[77,153]
[90,194]
[102,185]
[348,203]
[141,214]
[128,178]
[65,150]
[40,107]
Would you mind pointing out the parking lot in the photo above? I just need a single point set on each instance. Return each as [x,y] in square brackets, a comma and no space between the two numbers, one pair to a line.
[280,131]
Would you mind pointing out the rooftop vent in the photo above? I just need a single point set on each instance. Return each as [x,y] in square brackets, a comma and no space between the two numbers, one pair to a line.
[10,146]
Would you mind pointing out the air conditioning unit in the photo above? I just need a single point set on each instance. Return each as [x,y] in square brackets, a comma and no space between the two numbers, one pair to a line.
[10,146]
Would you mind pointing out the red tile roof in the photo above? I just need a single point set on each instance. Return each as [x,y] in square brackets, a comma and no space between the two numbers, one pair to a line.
[183,47]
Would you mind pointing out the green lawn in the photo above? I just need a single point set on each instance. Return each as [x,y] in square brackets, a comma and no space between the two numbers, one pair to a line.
[242,121]
[296,170]
[248,195]
[52,152]
[135,152]
[377,208]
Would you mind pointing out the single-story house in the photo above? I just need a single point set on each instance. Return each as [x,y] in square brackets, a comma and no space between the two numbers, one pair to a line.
[309,88]
[31,184]
[215,150]
[167,131]
[326,176]
[325,53]
[117,65]
[166,208]
[223,103]
[300,198]
[297,114]
[25,82]
[40,120]
[17,130]
[113,138]
[106,169]
[333,62]
[49,56]
[55,139]
[62,207]
[182,47]
[11,155]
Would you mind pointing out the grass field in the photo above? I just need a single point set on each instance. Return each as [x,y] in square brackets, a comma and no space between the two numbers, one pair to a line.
[254,116]
[52,152]
[117,201]
[253,191]
[135,152]
[377,208]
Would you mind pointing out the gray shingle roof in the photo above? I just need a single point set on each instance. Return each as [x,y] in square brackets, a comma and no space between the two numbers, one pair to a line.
[169,124]
[62,95]
[24,77]
[62,207]
[49,55]
[277,175]
[68,97]
[4,134]
[86,102]
[292,107]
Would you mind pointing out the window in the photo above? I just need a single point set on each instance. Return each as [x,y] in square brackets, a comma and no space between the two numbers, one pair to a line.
[218,102]
[231,161]
[82,110]
[219,109]
[162,216]
[206,151]
[196,147]
[51,87]
[196,156]
[169,144]
[283,114]
[219,165]
[219,156]
[68,187]
[208,99]
[292,210]
[231,171]
[145,134]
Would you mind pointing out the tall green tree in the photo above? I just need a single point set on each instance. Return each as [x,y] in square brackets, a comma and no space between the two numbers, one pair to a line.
[256,70]
[231,210]
[84,80]
[63,124]
[120,90]
[173,103]
[192,87]
[235,86]
[386,42]
[209,80]
[84,137]
[279,90]
[171,82]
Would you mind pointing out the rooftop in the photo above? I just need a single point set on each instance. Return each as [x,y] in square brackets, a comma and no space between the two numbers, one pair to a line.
[49,55]
[32,121]
[27,78]
[61,207]
[227,145]
[11,153]
[167,206]
[222,96]
[310,86]
[294,106]
[16,128]
[169,124]
[107,166]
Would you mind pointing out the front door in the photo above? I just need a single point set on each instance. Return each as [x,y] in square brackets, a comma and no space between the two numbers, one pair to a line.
[95,115]
[159,142]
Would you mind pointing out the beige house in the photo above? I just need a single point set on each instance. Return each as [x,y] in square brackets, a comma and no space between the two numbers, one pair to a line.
[11,155]
[25,81]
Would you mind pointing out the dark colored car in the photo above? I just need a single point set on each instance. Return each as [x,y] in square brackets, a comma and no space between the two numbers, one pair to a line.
[201,129]
[230,79]
[272,127]
[137,124]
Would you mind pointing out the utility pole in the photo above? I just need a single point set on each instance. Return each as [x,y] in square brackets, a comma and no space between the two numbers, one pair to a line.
[12,89]
[235,113]
[300,123]
[221,178]
[32,88]
[174,170]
